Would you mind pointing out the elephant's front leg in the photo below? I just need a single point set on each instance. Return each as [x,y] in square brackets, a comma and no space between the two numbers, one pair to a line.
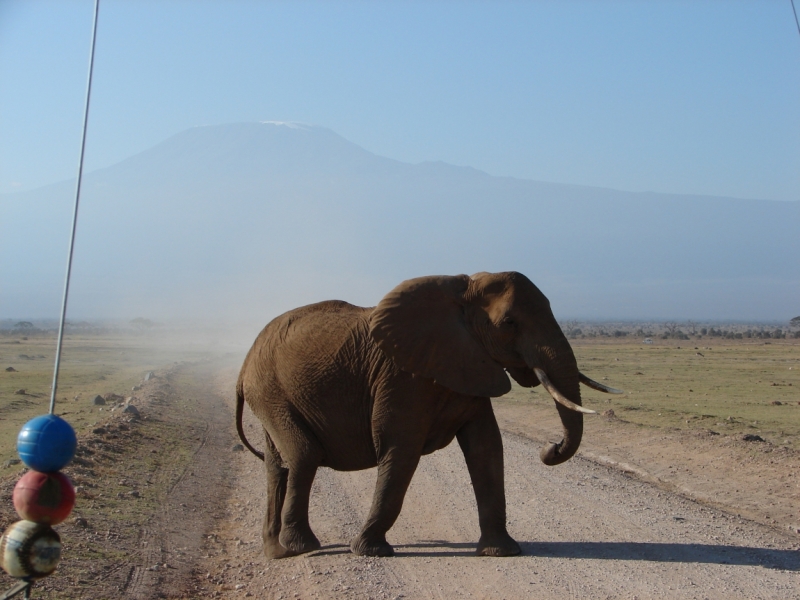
[482,446]
[394,476]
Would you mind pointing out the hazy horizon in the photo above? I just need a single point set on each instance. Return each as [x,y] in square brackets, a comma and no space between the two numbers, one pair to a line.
[247,220]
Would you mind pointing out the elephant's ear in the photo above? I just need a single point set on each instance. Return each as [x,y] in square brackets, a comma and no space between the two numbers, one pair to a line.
[421,324]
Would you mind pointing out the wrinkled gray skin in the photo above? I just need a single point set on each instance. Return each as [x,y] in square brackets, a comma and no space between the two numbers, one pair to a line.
[351,388]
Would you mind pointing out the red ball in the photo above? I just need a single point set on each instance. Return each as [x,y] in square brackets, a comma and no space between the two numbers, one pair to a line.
[44,497]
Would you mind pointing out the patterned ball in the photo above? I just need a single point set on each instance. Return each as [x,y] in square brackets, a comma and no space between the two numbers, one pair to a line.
[46,443]
[29,550]
[44,497]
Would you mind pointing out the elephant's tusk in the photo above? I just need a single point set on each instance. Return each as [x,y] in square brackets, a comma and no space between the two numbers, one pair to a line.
[558,396]
[598,386]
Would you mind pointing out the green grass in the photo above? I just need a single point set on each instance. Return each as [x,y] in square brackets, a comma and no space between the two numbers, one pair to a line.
[731,388]
[90,365]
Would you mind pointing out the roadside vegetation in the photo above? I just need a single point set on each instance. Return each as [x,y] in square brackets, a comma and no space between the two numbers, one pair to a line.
[733,377]
[690,330]
[97,363]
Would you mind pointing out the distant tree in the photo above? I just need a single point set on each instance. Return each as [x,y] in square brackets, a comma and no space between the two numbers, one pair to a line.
[24,325]
[673,333]
[795,322]
[571,329]
[141,323]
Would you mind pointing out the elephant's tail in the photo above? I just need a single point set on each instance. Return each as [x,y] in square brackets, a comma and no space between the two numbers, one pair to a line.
[239,428]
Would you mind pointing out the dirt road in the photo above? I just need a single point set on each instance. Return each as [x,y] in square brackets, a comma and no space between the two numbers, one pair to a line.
[587,531]
[167,509]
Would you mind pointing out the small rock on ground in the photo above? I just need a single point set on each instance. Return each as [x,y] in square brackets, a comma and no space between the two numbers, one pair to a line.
[131,409]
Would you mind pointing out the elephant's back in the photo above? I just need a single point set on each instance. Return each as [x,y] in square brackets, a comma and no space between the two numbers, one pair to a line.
[302,342]
[314,330]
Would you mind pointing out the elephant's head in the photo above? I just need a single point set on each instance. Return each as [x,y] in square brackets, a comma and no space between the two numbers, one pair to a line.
[466,333]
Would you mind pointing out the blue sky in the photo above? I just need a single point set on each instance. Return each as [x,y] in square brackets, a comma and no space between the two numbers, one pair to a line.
[681,97]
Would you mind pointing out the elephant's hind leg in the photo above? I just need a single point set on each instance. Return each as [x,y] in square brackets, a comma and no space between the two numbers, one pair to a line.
[277,477]
[302,454]
[296,535]
[286,530]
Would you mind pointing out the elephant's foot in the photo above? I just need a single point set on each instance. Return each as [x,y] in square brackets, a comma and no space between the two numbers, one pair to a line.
[274,550]
[362,546]
[500,544]
[294,541]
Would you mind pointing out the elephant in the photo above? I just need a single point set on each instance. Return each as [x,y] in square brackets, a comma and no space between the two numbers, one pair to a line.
[350,388]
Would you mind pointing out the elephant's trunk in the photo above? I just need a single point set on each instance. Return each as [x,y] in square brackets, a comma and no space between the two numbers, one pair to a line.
[560,371]
[555,454]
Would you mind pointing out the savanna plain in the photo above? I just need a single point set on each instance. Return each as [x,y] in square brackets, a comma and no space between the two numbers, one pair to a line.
[686,486]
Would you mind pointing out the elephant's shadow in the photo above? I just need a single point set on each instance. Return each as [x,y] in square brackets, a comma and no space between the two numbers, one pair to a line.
[788,560]
[669,553]
[447,549]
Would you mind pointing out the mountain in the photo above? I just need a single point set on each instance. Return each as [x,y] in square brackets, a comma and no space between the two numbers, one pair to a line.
[247,220]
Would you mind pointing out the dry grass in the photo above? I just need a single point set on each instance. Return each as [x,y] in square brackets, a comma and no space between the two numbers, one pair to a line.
[91,365]
[728,387]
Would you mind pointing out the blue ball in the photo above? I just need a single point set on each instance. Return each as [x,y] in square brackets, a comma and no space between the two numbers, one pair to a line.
[46,443]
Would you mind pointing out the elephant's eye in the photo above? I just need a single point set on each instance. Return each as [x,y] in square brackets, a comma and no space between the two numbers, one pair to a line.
[508,321]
